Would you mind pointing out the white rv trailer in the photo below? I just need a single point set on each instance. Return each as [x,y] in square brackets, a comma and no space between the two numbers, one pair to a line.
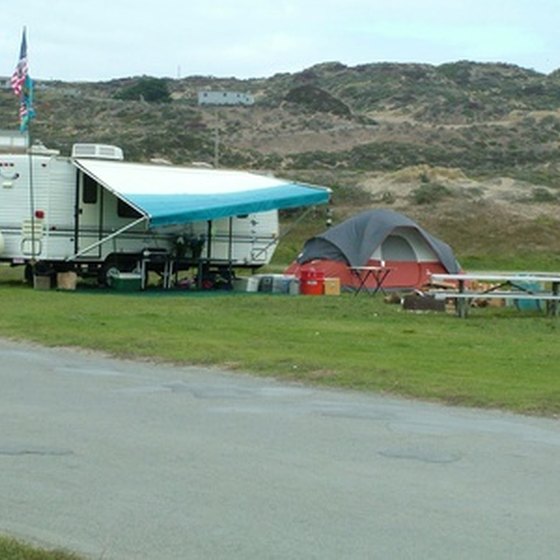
[93,211]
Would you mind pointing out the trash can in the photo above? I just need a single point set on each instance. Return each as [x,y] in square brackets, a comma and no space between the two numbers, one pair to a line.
[528,304]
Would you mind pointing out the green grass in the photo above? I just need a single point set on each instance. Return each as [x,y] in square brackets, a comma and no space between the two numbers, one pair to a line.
[546,261]
[497,358]
[10,549]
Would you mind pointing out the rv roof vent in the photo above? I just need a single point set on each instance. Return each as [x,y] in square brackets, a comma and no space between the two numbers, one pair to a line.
[97,151]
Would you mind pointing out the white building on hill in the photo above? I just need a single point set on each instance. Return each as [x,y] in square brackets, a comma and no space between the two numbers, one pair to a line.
[225,98]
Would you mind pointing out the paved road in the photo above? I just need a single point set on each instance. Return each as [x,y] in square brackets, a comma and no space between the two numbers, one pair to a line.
[123,460]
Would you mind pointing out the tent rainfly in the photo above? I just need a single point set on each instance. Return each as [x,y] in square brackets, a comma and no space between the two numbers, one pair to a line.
[371,237]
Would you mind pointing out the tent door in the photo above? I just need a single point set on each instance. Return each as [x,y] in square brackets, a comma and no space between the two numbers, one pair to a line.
[397,248]
[89,216]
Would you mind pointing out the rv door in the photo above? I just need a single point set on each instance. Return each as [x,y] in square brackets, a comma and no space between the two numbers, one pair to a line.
[89,215]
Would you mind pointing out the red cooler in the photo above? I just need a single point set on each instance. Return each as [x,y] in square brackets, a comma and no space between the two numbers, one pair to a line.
[312,282]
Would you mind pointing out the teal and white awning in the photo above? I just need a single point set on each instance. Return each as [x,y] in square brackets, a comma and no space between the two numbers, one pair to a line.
[169,195]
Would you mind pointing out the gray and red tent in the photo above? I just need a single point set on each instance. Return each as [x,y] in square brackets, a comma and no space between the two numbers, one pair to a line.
[368,239]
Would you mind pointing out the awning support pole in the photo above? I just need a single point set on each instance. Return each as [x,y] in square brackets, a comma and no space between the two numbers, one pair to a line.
[230,251]
[280,237]
[108,238]
[201,261]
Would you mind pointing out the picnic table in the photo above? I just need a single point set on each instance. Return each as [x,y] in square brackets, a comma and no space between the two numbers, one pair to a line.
[467,287]
[364,273]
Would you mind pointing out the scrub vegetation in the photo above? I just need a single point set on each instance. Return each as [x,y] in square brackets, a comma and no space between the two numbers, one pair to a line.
[11,549]
[485,118]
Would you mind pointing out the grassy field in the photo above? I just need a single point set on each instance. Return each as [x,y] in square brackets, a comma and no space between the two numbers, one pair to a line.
[499,358]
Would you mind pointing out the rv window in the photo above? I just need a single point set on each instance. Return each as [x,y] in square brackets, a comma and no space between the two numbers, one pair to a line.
[89,190]
[126,211]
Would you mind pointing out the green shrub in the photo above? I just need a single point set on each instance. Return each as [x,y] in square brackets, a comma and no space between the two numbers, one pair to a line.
[541,194]
[10,549]
[152,90]
[429,193]
[317,99]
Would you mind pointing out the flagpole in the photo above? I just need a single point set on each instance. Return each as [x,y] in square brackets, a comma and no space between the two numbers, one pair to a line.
[31,194]
[22,84]
[26,117]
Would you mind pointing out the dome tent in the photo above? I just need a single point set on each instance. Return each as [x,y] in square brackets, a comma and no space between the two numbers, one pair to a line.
[371,237]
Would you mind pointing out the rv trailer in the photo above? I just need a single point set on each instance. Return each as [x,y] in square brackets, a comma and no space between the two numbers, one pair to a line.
[95,213]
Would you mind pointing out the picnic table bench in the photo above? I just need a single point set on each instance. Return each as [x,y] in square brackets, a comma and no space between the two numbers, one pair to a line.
[466,288]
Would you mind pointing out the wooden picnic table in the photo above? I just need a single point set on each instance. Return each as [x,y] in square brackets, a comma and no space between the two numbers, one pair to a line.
[501,285]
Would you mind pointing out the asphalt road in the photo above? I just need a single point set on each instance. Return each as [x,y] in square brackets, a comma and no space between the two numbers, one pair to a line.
[123,460]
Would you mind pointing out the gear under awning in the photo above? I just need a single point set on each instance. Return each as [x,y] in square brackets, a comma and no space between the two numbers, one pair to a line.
[170,195]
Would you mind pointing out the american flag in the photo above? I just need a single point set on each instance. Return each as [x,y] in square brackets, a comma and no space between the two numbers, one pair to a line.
[26,111]
[20,73]
[23,110]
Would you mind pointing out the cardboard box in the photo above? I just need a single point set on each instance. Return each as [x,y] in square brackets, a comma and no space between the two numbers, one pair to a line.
[332,286]
[66,280]
[42,282]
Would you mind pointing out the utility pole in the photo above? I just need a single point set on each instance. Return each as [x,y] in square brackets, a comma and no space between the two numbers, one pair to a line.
[217,142]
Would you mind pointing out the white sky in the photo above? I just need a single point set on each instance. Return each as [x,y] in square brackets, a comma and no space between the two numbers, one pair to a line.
[74,40]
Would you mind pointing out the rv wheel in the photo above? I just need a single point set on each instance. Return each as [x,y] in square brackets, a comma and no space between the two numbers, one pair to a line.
[112,272]
[113,265]
[107,269]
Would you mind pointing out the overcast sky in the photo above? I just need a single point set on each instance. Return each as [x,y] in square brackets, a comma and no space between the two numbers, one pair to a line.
[74,40]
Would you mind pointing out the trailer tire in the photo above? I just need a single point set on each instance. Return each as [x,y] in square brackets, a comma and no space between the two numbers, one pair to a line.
[104,272]
[118,263]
